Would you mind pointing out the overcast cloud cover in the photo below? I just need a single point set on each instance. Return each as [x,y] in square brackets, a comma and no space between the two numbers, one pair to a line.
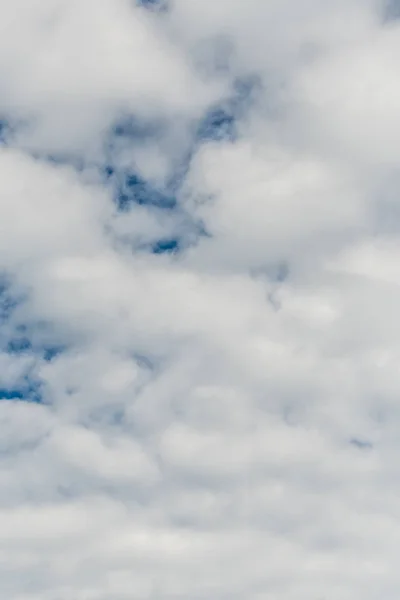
[199,300]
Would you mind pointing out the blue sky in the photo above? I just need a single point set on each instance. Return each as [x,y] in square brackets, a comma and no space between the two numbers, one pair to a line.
[199,291]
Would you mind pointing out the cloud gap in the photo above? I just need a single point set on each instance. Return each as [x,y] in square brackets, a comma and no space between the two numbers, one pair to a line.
[34,339]
[129,185]
[28,391]
[221,122]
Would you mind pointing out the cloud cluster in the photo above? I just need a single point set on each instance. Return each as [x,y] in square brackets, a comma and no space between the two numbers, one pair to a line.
[199,291]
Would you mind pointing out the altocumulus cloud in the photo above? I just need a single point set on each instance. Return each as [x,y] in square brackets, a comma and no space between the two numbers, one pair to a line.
[199,300]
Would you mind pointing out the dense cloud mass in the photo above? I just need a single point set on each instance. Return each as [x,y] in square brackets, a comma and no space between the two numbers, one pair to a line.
[199,300]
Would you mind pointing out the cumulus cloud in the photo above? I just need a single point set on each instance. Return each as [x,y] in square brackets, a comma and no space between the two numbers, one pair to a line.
[199,289]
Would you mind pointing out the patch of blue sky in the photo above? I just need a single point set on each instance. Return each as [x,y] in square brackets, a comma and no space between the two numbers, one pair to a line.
[218,124]
[19,342]
[11,394]
[179,244]
[25,340]
[19,345]
[129,185]
[130,188]
[221,121]
[126,182]
[22,345]
[166,246]
[179,240]
[28,389]
[50,353]
[18,337]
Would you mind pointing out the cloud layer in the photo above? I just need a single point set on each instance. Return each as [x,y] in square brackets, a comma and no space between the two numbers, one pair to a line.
[199,291]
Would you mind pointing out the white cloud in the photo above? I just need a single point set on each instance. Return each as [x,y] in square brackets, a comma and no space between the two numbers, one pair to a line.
[217,418]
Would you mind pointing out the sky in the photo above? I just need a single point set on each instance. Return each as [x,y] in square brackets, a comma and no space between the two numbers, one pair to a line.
[199,300]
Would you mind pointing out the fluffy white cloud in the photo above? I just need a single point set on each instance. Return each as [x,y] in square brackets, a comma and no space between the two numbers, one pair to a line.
[199,290]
